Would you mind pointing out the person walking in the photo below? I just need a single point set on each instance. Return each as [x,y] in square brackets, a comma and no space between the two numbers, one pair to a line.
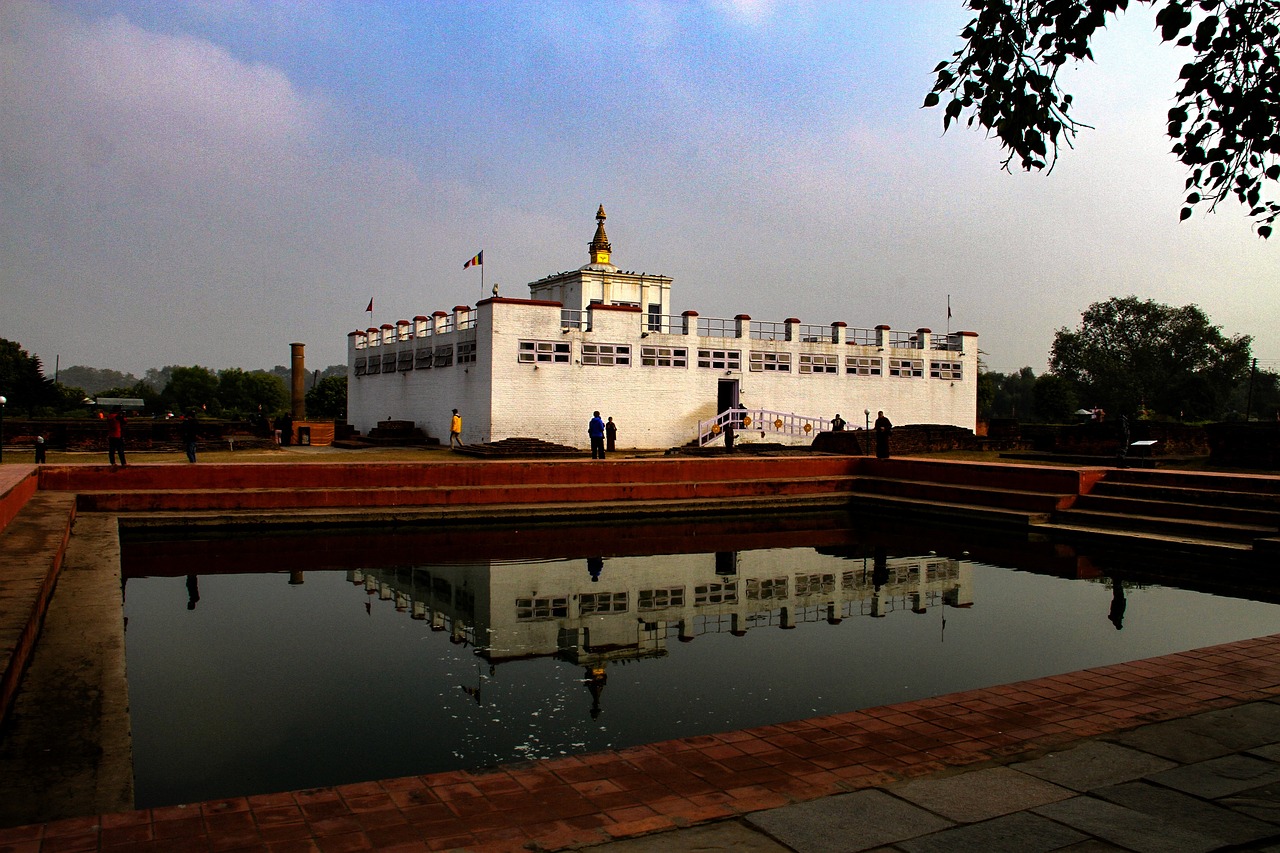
[115,437]
[610,435]
[455,430]
[190,431]
[595,431]
[883,428]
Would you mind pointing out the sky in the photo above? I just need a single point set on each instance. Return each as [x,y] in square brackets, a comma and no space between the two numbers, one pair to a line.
[206,182]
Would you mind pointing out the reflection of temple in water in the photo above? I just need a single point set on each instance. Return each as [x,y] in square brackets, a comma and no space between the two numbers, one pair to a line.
[591,612]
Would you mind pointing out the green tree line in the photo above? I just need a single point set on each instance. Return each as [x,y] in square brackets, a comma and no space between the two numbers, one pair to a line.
[230,393]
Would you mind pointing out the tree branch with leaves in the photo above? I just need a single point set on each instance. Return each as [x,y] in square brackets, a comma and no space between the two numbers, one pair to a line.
[1226,121]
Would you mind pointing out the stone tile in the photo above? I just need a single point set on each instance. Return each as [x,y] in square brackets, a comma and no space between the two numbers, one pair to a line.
[1220,777]
[1125,827]
[847,822]
[1262,803]
[1187,812]
[1271,751]
[1022,832]
[981,794]
[1094,764]
[1208,735]
[726,835]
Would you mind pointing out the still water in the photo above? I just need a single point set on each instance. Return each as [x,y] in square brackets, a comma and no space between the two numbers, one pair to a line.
[262,665]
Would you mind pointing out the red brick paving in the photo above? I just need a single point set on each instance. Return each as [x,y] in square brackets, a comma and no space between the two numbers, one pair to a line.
[579,800]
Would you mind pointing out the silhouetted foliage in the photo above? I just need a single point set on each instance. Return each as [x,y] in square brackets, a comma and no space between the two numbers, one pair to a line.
[22,380]
[328,399]
[94,380]
[192,389]
[1225,124]
[246,393]
[1055,399]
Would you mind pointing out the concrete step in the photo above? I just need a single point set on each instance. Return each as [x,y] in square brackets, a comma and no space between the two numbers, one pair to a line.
[1193,495]
[1262,484]
[1207,511]
[969,495]
[146,500]
[1217,531]
[1149,541]
[944,512]
[32,548]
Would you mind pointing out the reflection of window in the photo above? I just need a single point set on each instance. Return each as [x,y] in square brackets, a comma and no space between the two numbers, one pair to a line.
[602,602]
[606,355]
[664,356]
[547,607]
[944,370]
[360,366]
[862,366]
[544,352]
[848,581]
[725,592]
[720,359]
[466,352]
[812,362]
[771,361]
[906,367]
[656,599]
[444,355]
[763,589]
[815,583]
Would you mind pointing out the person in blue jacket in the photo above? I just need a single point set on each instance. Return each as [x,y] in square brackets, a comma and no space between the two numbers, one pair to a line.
[595,430]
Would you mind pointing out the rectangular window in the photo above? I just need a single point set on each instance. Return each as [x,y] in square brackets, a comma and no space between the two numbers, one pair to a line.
[720,359]
[606,355]
[466,352]
[360,366]
[945,370]
[655,317]
[813,362]
[422,358]
[404,360]
[862,365]
[389,364]
[602,602]
[544,352]
[725,592]
[546,607]
[657,599]
[375,365]
[906,367]
[444,355]
[770,362]
[765,589]
[664,356]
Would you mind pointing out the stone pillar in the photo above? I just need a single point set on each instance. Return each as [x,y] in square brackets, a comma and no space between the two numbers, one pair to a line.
[298,378]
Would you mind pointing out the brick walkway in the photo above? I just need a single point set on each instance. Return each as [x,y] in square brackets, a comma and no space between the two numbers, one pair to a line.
[592,799]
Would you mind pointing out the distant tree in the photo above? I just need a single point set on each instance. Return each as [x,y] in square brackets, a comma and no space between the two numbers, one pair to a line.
[159,378]
[191,388]
[986,391]
[1015,395]
[1130,354]
[1225,124]
[22,380]
[1257,394]
[139,390]
[245,393]
[95,379]
[1056,400]
[328,399]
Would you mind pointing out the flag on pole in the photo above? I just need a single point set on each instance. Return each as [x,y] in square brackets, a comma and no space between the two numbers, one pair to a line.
[948,306]
[370,308]
[477,261]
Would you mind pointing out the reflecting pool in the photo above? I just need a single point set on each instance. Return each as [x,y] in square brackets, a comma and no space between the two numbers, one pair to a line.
[269,664]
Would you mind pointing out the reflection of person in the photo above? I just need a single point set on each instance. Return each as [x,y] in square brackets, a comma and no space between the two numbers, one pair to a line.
[595,565]
[190,430]
[837,423]
[115,437]
[193,591]
[595,431]
[610,435]
[455,429]
[882,428]
[595,679]
[1116,615]
[880,569]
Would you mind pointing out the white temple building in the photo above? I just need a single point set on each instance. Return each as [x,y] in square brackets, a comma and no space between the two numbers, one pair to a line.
[599,338]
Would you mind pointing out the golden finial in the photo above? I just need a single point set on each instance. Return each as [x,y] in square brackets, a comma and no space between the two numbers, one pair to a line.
[598,249]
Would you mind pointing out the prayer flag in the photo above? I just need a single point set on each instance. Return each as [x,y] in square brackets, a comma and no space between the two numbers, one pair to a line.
[478,260]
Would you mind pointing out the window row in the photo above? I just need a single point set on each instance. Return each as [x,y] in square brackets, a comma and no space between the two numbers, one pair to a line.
[423,358]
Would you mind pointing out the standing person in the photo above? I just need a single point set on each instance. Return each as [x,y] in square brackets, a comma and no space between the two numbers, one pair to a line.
[455,429]
[610,435]
[115,436]
[40,448]
[189,430]
[285,425]
[837,423]
[882,428]
[595,430]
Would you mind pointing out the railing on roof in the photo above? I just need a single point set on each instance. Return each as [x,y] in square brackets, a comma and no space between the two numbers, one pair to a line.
[950,343]
[861,337]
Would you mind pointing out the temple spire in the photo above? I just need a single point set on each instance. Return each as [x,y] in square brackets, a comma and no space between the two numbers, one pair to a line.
[599,249]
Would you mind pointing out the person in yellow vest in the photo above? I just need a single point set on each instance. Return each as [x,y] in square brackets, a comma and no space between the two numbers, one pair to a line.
[455,429]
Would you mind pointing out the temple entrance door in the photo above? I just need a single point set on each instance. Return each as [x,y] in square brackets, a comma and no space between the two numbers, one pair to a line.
[726,395]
